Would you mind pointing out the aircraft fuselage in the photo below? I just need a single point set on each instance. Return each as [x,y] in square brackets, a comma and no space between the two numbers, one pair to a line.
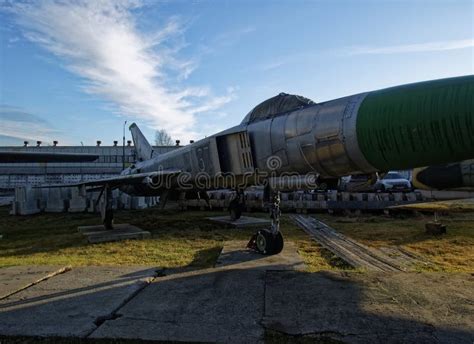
[401,127]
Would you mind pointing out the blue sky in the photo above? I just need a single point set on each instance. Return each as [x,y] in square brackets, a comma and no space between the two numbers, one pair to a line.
[75,70]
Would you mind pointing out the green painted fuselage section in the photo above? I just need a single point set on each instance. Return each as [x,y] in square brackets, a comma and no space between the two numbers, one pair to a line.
[418,124]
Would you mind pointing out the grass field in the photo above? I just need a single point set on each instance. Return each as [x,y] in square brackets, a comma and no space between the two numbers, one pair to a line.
[188,239]
[178,239]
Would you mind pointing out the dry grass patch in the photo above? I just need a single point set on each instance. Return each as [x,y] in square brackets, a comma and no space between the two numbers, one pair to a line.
[453,251]
[178,239]
[189,239]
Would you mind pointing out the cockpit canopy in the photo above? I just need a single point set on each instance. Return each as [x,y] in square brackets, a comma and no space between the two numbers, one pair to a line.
[276,106]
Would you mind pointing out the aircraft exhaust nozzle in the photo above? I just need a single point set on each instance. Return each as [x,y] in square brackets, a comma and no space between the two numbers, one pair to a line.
[454,176]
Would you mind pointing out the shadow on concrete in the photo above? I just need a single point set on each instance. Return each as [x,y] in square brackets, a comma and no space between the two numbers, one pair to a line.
[235,254]
[239,256]
[238,305]
[73,292]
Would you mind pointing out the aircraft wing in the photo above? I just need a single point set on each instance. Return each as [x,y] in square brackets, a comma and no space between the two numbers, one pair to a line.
[130,179]
[22,157]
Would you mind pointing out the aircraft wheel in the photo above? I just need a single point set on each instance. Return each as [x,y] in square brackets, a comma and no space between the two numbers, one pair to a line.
[267,243]
[278,243]
[263,242]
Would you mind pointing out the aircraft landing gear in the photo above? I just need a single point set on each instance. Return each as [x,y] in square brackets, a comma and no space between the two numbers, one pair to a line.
[236,206]
[269,241]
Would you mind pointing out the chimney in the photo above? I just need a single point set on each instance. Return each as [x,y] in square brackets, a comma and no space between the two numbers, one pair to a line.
[115,143]
[98,143]
[55,143]
[177,142]
[129,143]
[25,143]
[38,143]
[191,141]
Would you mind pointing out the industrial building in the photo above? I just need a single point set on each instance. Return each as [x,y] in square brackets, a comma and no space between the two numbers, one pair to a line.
[111,161]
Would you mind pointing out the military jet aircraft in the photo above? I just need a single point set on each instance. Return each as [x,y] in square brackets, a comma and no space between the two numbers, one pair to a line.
[402,127]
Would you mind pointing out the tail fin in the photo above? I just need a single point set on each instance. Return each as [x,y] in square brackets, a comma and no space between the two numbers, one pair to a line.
[142,147]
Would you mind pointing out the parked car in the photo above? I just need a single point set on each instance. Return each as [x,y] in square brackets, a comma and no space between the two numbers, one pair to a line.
[393,181]
[356,183]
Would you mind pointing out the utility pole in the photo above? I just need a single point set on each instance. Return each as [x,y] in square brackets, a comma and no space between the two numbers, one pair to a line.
[123,146]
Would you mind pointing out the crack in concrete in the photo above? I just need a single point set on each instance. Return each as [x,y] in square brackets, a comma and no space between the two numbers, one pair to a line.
[44,278]
[321,334]
[340,335]
[264,313]
[103,318]
[100,320]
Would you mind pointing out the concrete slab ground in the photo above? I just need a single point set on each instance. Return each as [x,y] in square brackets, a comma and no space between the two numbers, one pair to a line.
[223,304]
[214,305]
[73,303]
[236,256]
[234,304]
[244,221]
[16,278]
[97,234]
[372,307]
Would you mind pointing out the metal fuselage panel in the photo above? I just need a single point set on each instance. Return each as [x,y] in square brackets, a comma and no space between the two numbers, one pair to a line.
[310,140]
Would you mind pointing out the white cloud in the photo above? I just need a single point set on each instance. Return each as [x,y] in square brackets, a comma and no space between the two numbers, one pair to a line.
[138,72]
[230,38]
[20,125]
[273,65]
[412,48]
[368,50]
[225,40]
